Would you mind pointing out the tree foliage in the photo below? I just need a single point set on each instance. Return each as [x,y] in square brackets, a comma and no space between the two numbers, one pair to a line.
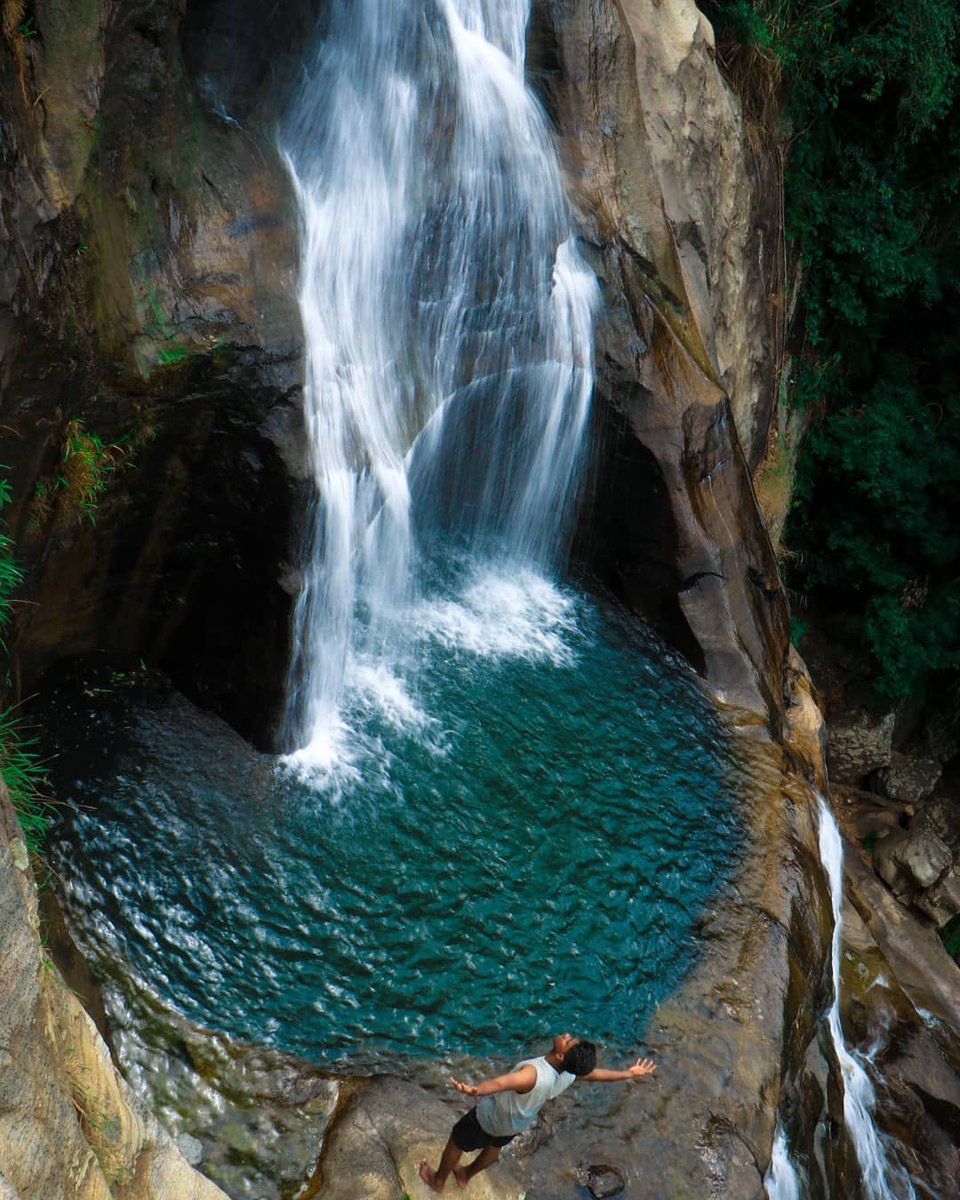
[869,102]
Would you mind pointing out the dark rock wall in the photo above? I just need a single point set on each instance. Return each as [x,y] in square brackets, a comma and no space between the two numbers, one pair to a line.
[245,56]
[148,322]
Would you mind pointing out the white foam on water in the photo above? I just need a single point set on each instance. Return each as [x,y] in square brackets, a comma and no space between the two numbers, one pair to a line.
[327,759]
[500,615]
[380,689]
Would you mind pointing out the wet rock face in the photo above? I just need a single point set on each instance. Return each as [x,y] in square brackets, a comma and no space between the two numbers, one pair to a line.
[662,172]
[147,263]
[150,356]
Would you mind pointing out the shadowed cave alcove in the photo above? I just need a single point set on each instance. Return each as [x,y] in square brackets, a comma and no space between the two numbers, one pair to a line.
[626,536]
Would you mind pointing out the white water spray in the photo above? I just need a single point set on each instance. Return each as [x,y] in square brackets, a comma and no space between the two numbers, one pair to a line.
[883,1177]
[448,321]
[782,1180]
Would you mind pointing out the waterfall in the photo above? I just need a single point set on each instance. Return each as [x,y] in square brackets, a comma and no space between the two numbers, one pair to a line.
[883,1177]
[782,1181]
[448,324]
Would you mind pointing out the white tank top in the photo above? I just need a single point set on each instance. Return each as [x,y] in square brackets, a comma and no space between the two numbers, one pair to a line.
[506,1113]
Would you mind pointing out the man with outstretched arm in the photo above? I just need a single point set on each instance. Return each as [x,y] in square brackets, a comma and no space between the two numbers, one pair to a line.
[510,1103]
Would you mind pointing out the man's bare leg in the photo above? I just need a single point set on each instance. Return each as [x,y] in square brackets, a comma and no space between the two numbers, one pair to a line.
[435,1179]
[486,1158]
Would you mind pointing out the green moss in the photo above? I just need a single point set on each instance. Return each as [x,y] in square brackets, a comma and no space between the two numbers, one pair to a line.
[169,355]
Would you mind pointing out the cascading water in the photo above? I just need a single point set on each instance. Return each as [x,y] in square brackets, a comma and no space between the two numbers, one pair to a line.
[883,1177]
[448,324]
[782,1180]
[514,803]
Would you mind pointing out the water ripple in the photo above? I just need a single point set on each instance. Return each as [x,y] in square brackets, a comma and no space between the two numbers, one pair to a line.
[545,873]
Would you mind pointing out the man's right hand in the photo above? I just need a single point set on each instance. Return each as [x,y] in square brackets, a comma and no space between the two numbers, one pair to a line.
[642,1067]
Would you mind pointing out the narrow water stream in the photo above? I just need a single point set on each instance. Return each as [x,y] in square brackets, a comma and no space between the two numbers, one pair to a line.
[883,1176]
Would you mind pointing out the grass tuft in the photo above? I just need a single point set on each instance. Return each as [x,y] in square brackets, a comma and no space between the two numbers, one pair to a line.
[19,766]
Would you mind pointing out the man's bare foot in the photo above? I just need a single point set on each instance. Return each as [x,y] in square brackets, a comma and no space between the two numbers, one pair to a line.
[461,1176]
[429,1176]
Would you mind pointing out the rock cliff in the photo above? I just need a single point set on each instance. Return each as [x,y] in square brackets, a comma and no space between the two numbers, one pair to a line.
[69,1128]
[149,356]
[672,199]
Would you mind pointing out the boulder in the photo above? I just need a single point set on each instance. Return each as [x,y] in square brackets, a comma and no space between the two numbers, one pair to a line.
[940,815]
[191,1148]
[942,901]
[382,1130]
[859,742]
[601,1180]
[907,860]
[909,779]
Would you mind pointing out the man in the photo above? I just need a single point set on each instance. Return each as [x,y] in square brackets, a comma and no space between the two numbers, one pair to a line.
[510,1103]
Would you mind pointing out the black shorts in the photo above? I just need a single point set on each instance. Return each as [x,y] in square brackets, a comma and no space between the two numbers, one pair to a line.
[469,1134]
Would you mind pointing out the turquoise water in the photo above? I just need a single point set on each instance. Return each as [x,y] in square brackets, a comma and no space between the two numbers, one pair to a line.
[514,833]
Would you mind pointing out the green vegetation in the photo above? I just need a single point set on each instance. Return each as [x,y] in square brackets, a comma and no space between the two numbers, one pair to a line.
[174,353]
[87,465]
[24,778]
[950,936]
[10,574]
[798,630]
[18,763]
[865,98]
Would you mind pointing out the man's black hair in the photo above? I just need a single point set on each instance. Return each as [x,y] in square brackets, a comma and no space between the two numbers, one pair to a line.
[580,1059]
